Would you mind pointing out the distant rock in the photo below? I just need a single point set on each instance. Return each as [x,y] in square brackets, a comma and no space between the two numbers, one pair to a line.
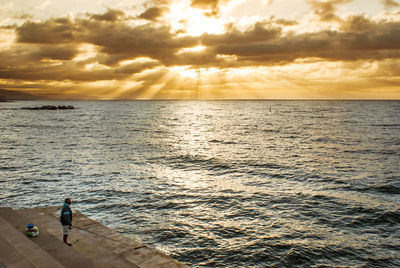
[50,107]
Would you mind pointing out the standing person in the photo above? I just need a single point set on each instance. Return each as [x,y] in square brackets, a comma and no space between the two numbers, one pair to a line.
[66,219]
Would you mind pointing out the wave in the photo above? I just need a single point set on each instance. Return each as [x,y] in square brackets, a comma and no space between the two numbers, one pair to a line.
[375,218]
[265,191]
[391,187]
[222,142]
[190,162]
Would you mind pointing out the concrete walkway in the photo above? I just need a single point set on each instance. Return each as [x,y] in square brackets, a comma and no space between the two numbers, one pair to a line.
[94,245]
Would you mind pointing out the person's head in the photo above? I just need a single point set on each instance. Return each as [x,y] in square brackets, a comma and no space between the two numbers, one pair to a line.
[68,201]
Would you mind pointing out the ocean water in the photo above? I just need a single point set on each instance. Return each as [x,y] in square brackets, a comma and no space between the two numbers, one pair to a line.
[218,183]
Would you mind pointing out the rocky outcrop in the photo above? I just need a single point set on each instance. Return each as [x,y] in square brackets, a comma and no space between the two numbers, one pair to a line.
[50,107]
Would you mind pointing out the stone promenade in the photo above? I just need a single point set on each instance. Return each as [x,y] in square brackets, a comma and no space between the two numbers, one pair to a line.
[94,245]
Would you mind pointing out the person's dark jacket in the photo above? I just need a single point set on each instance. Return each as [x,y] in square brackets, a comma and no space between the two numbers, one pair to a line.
[66,215]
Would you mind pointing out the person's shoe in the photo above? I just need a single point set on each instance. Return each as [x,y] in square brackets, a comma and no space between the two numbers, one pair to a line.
[69,244]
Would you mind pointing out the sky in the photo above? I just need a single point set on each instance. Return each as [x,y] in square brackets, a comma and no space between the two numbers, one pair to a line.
[201,49]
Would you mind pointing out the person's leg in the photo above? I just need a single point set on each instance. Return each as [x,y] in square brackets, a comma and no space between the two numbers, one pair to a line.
[66,232]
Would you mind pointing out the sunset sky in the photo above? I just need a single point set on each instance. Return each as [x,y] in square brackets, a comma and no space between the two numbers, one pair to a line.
[201,49]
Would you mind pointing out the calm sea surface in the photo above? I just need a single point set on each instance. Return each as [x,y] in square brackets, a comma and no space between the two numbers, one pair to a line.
[218,183]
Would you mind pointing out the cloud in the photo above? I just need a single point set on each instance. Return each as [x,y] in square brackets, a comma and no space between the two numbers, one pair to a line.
[111,15]
[286,22]
[52,31]
[210,7]
[153,13]
[358,23]
[28,55]
[264,43]
[118,39]
[54,63]
[390,3]
[359,38]
[122,41]
[383,41]
[261,31]
[326,11]
[55,50]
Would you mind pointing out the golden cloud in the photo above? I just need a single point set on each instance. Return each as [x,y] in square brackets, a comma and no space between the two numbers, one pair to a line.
[390,3]
[326,10]
[139,55]
[153,13]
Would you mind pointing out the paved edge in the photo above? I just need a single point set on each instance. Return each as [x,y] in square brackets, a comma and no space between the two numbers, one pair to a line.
[25,247]
[101,244]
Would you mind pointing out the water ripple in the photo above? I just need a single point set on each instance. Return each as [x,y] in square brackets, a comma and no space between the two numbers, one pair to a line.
[219,184]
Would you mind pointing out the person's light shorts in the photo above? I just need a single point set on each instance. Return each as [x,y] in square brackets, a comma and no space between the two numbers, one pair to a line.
[66,229]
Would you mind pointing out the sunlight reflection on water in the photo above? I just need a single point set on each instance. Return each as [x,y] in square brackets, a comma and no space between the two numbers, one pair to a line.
[218,183]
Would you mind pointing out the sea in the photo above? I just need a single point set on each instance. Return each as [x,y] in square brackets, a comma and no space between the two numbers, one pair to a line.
[218,183]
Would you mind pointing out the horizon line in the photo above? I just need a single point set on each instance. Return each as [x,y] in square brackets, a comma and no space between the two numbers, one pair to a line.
[194,99]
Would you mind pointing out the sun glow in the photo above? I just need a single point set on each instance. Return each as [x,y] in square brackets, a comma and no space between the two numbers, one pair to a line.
[191,49]
[185,71]
[192,21]
[87,51]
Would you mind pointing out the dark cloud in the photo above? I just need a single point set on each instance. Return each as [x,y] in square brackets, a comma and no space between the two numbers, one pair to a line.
[326,10]
[122,41]
[358,23]
[263,43]
[286,22]
[153,13]
[52,31]
[260,32]
[55,53]
[116,39]
[366,40]
[53,63]
[206,58]
[23,55]
[111,15]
